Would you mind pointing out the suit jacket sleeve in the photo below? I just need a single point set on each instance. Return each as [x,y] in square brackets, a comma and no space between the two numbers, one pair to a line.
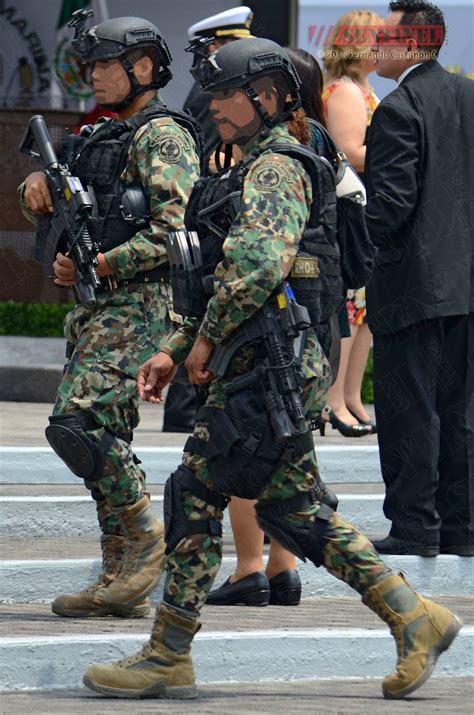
[393,166]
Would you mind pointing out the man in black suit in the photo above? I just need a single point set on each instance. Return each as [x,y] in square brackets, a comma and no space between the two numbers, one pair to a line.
[420,300]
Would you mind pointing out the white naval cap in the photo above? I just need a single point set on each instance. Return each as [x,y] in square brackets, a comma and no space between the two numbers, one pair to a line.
[230,23]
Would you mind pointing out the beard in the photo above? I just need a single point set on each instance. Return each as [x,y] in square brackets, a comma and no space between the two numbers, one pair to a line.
[240,135]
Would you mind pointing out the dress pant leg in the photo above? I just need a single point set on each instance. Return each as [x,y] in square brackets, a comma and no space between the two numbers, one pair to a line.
[455,404]
[406,367]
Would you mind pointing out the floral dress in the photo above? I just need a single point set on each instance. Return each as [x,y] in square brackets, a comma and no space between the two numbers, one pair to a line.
[355,298]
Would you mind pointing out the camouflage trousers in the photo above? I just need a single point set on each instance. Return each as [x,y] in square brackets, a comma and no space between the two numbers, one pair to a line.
[110,342]
[193,564]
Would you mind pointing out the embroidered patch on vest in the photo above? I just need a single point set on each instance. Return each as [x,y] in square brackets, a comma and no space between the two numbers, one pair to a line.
[305,267]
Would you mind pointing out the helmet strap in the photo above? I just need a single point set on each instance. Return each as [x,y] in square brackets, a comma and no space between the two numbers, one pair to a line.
[268,121]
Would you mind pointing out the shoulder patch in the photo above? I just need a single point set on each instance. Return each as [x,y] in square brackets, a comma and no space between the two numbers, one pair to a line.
[170,149]
[268,178]
[170,141]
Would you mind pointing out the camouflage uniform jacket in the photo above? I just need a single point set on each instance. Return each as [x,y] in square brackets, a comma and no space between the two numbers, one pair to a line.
[167,177]
[259,250]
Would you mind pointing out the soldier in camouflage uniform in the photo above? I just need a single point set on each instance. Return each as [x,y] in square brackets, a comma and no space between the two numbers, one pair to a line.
[252,82]
[155,151]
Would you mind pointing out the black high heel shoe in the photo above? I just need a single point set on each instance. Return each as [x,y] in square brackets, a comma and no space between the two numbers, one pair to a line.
[373,425]
[318,424]
[346,430]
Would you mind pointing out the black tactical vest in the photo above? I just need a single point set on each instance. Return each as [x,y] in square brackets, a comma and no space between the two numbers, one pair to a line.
[99,160]
[316,275]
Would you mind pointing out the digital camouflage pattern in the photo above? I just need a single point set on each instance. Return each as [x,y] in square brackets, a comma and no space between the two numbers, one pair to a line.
[111,341]
[125,328]
[163,159]
[258,254]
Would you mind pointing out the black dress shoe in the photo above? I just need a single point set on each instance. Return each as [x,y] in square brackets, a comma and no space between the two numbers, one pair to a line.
[253,590]
[392,545]
[457,550]
[285,588]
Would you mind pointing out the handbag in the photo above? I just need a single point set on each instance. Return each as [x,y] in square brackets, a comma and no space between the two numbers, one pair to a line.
[357,252]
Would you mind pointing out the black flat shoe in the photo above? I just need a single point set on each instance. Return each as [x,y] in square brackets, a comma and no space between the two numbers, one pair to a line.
[253,590]
[344,429]
[285,588]
[392,545]
[373,425]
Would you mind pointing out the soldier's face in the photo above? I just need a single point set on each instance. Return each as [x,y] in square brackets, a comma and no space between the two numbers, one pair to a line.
[234,115]
[236,118]
[110,81]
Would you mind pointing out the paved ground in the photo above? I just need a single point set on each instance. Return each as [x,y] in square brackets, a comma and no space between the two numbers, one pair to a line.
[36,619]
[23,423]
[453,696]
[77,490]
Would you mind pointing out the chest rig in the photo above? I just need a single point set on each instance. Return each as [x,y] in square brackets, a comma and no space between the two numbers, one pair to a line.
[99,160]
[316,280]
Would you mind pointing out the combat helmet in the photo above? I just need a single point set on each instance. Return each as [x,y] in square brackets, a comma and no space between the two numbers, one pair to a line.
[116,38]
[237,64]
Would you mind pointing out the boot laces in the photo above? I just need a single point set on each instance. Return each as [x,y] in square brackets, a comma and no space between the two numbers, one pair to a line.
[142,654]
[129,562]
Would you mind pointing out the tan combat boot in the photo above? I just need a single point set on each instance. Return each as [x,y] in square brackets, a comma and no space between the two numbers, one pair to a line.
[422,631]
[143,555]
[91,601]
[162,669]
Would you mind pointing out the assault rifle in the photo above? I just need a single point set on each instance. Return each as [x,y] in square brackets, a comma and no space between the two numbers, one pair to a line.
[69,230]
[278,330]
[279,327]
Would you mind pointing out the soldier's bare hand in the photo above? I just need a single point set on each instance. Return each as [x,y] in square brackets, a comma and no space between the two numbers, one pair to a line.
[64,271]
[153,376]
[196,361]
[37,195]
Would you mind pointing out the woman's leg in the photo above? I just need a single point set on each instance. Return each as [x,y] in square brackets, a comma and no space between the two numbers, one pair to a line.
[335,398]
[361,343]
[279,560]
[248,538]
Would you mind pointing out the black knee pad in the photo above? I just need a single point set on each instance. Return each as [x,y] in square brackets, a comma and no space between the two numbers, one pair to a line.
[67,435]
[304,542]
[177,523]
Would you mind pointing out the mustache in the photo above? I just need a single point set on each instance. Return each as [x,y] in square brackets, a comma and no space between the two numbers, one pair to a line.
[223,120]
